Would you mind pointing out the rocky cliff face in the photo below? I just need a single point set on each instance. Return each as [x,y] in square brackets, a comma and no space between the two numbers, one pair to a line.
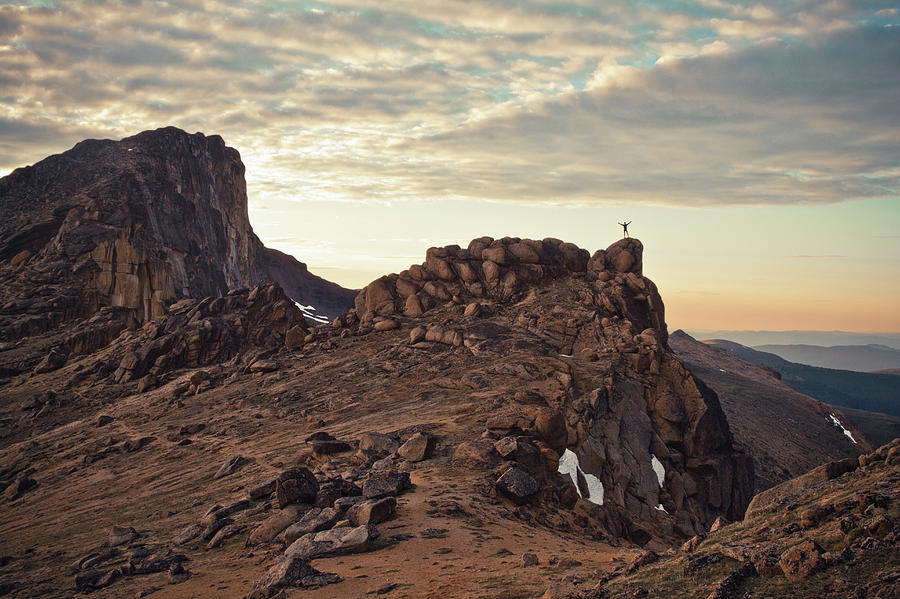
[618,398]
[138,224]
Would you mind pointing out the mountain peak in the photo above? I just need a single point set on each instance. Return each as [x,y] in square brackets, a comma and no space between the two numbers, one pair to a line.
[140,223]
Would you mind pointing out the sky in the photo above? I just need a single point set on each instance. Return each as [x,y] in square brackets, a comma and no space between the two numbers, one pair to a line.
[754,146]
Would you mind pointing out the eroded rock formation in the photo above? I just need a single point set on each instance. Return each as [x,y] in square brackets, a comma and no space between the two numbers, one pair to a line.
[137,224]
[613,393]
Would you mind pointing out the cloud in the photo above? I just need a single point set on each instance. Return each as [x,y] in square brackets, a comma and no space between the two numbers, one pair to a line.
[774,123]
[817,256]
[696,102]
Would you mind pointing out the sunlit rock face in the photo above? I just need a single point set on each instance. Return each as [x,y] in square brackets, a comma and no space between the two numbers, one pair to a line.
[137,224]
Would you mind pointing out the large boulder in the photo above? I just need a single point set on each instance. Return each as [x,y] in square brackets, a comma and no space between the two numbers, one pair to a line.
[801,560]
[518,485]
[416,448]
[372,511]
[344,539]
[297,485]
[314,520]
[290,572]
[625,255]
[385,484]
[272,526]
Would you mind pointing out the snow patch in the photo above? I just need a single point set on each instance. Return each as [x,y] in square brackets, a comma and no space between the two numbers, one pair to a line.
[568,464]
[838,424]
[722,370]
[661,508]
[595,489]
[658,468]
[311,313]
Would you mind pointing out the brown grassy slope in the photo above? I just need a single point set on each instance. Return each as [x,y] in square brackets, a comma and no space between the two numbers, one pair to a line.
[786,432]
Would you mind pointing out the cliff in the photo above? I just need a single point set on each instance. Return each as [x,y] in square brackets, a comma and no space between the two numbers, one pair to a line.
[137,223]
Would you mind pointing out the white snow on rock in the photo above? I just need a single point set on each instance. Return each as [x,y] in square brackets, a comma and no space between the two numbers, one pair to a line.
[311,313]
[661,508]
[658,468]
[838,424]
[568,464]
[595,489]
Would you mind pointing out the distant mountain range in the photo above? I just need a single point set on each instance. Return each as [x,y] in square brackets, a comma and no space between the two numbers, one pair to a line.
[872,392]
[862,358]
[823,338]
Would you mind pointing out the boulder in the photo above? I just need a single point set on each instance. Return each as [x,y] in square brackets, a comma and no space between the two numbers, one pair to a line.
[314,520]
[332,490]
[290,572]
[191,532]
[263,489]
[20,486]
[478,454]
[801,560]
[120,535]
[324,444]
[518,485]
[262,366]
[336,541]
[507,447]
[297,485]
[326,447]
[811,517]
[54,360]
[625,255]
[384,484]
[387,324]
[295,337]
[416,448]
[418,333]
[272,526]
[372,511]
[229,467]
[377,442]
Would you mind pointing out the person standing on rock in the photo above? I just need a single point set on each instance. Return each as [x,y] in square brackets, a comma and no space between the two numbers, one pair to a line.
[625,227]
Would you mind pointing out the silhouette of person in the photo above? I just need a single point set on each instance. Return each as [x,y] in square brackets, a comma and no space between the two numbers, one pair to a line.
[625,227]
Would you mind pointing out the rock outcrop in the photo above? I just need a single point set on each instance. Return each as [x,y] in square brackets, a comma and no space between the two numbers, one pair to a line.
[651,434]
[500,268]
[828,533]
[135,224]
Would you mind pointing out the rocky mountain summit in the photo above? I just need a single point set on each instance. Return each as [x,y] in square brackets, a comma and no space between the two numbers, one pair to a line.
[514,397]
[135,225]
[654,437]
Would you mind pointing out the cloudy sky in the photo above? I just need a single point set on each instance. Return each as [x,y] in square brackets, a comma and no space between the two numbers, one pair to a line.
[755,146]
